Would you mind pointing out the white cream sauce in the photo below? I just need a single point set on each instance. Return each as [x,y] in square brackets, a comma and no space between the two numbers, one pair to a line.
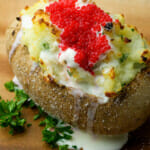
[91,115]
[33,67]
[88,141]
[16,81]
[15,45]
[68,57]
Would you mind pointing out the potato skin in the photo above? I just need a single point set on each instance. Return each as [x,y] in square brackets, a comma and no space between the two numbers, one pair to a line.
[121,114]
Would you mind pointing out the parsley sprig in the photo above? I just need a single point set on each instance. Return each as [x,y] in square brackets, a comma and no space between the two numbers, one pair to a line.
[55,131]
[123,58]
[10,111]
[11,116]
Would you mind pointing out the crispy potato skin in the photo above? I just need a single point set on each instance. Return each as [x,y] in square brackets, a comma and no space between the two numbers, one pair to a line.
[121,114]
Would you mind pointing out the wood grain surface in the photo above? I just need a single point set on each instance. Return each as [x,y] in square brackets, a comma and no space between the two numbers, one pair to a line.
[137,12]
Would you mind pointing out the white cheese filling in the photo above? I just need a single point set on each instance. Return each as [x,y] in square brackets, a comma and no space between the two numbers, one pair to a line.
[15,45]
[67,57]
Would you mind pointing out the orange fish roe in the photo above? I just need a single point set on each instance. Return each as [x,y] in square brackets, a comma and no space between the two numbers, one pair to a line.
[82,30]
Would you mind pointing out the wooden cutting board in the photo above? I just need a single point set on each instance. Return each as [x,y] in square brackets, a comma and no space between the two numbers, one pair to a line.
[136,12]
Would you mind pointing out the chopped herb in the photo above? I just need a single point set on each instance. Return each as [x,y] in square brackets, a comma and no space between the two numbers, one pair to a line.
[10,86]
[132,30]
[74,147]
[55,131]
[123,84]
[123,58]
[102,32]
[36,117]
[21,95]
[69,73]
[46,45]
[42,123]
[30,104]
[10,116]
[63,147]
[138,65]
[29,125]
[40,113]
[10,111]
[122,38]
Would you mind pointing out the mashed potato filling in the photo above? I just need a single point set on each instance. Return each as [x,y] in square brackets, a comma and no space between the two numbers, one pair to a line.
[129,53]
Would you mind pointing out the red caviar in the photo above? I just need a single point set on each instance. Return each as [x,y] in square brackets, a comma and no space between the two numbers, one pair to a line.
[81,30]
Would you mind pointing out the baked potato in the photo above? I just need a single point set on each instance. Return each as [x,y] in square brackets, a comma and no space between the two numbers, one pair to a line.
[128,99]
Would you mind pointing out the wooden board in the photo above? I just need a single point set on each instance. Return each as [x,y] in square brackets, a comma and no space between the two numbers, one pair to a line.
[136,12]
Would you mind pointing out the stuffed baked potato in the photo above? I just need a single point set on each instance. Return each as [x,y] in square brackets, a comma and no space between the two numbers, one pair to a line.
[107,95]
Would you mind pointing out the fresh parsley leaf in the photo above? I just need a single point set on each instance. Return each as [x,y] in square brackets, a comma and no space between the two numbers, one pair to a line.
[10,116]
[29,103]
[10,86]
[32,104]
[46,45]
[69,73]
[121,37]
[40,113]
[74,147]
[10,111]
[123,84]
[123,58]
[21,95]
[55,131]
[36,117]
[42,123]
[29,125]
[63,147]
[132,29]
